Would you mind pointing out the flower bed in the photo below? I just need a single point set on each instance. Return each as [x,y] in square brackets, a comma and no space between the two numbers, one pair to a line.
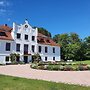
[60,66]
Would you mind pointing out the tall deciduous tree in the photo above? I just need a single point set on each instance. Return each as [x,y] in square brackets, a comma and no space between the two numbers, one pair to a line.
[87,47]
[71,46]
[44,31]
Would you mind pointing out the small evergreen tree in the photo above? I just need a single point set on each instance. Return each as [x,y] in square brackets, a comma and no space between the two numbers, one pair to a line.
[36,58]
[13,57]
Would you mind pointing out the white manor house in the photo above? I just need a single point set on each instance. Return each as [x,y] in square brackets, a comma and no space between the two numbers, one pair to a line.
[26,41]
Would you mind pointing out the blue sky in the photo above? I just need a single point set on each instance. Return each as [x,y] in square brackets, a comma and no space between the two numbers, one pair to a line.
[57,16]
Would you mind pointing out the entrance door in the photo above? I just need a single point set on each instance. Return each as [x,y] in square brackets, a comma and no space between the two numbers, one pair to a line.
[26,59]
[18,58]
[25,48]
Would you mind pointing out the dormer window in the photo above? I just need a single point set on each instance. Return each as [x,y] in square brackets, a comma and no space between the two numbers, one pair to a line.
[3,34]
[42,40]
[48,41]
[18,35]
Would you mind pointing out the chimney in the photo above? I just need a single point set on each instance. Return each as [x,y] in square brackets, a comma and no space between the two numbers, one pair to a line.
[5,24]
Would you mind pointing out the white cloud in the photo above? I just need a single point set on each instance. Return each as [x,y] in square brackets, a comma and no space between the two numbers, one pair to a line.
[4,7]
[4,3]
[8,19]
[2,10]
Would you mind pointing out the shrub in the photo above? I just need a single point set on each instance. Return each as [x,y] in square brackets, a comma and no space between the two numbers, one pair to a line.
[50,67]
[81,68]
[88,66]
[56,67]
[45,67]
[21,62]
[61,68]
[14,63]
[34,66]
[13,57]
[68,68]
[41,67]
[36,58]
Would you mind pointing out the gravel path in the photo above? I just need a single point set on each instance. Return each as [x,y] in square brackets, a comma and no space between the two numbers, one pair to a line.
[73,77]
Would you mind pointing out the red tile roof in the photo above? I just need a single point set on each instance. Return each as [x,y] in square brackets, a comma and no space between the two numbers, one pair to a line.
[5,32]
[42,39]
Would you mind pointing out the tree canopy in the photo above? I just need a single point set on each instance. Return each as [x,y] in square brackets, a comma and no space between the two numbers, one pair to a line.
[72,47]
[43,31]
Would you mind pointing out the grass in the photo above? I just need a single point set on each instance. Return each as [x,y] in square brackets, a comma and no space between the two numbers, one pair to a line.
[15,83]
[85,62]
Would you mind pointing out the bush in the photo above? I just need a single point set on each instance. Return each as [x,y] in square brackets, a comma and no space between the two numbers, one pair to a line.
[61,68]
[41,67]
[68,68]
[88,66]
[13,57]
[81,68]
[14,63]
[50,67]
[36,58]
[34,66]
[56,68]
[45,67]
[21,62]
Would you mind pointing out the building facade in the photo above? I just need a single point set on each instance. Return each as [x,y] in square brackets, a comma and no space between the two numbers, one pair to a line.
[26,41]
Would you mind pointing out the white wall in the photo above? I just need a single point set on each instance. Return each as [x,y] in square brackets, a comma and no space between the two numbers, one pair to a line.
[50,53]
[30,32]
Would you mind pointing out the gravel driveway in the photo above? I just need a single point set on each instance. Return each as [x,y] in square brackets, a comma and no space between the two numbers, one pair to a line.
[73,77]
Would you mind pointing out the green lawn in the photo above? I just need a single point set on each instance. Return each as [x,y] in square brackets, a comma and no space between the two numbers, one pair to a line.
[15,83]
[85,62]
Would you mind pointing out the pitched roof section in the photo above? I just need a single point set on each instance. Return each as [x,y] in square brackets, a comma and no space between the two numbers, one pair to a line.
[5,32]
[42,39]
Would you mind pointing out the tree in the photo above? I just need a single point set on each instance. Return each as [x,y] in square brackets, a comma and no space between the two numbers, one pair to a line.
[73,51]
[71,46]
[13,57]
[87,47]
[43,31]
[63,40]
[36,58]
[74,38]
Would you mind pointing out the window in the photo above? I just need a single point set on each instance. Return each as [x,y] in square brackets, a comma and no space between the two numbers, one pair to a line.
[25,48]
[8,46]
[26,37]
[17,47]
[7,58]
[53,50]
[33,48]
[18,58]
[33,38]
[39,49]
[3,34]
[48,41]
[45,58]
[53,58]
[46,49]
[18,35]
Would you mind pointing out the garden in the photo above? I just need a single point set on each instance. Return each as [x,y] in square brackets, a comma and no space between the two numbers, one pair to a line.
[61,66]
